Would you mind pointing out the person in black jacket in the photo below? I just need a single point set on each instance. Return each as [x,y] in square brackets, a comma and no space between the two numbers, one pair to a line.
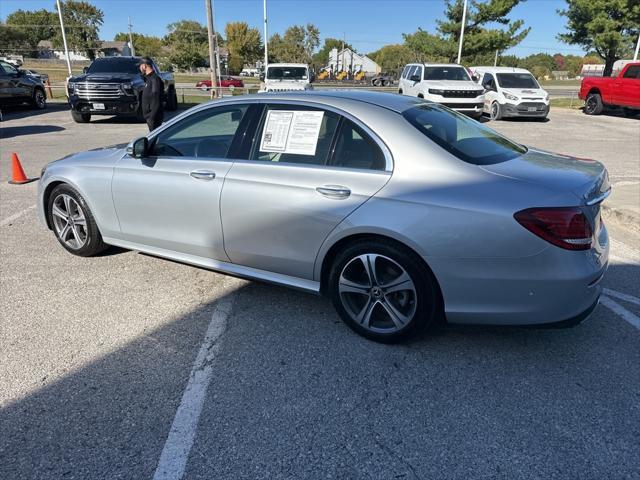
[152,94]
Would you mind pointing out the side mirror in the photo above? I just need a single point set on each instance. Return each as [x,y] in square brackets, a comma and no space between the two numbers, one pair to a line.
[475,78]
[85,69]
[415,78]
[139,148]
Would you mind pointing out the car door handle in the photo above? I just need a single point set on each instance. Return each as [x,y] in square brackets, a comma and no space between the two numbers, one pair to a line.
[337,192]
[203,174]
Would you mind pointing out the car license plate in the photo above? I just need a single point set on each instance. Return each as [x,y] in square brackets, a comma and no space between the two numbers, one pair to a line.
[98,106]
[531,109]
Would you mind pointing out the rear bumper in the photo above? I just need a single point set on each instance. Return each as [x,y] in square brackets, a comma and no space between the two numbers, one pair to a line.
[120,106]
[552,288]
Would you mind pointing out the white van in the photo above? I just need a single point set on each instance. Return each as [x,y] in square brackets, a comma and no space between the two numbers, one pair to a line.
[287,77]
[511,92]
[447,84]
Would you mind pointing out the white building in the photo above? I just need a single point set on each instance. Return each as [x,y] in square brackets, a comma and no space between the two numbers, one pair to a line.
[348,60]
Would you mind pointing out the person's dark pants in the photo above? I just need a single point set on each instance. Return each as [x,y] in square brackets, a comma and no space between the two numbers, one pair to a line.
[154,122]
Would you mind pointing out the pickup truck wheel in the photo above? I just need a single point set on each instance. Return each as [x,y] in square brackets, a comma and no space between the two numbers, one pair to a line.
[593,105]
[496,111]
[80,117]
[39,99]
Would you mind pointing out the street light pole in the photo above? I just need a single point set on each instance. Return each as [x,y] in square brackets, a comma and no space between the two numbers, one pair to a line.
[133,49]
[266,56]
[464,20]
[635,55]
[64,37]
[212,59]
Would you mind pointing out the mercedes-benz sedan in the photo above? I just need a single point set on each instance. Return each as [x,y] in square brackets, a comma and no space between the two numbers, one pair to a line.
[403,212]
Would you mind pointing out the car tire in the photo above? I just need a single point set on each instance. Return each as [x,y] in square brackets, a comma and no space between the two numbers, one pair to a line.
[73,223]
[593,104]
[496,111]
[79,117]
[368,305]
[39,99]
[172,100]
[400,91]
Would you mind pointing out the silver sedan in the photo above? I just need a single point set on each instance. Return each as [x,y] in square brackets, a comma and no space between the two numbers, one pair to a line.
[403,212]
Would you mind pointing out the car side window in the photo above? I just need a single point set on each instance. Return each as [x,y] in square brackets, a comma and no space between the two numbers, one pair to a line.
[405,72]
[6,69]
[328,126]
[413,71]
[355,149]
[632,72]
[488,82]
[206,134]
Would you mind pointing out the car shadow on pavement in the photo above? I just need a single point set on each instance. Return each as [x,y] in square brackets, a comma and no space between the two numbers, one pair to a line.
[11,132]
[296,394]
[16,112]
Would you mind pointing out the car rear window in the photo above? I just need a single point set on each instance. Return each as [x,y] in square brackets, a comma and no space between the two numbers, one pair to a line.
[461,136]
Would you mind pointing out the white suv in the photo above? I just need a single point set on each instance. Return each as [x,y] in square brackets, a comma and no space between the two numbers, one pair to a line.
[447,84]
[511,92]
[287,77]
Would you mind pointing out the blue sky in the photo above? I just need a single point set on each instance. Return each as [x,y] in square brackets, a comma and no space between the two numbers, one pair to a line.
[367,24]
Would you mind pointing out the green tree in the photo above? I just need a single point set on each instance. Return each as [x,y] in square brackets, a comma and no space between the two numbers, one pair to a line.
[296,45]
[543,61]
[82,22]
[392,58]
[188,44]
[321,59]
[428,47]
[482,35]
[32,27]
[144,45]
[610,27]
[11,41]
[243,43]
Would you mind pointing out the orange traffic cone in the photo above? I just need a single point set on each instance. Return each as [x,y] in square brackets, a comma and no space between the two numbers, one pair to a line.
[18,177]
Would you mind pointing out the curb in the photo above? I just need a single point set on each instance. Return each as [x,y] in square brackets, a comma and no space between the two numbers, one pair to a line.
[625,218]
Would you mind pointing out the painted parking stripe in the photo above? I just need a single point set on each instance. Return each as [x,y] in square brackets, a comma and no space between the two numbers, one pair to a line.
[622,296]
[619,310]
[175,453]
[16,216]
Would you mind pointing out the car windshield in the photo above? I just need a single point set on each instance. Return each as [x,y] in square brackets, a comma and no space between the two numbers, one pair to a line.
[517,80]
[445,73]
[115,65]
[467,139]
[286,73]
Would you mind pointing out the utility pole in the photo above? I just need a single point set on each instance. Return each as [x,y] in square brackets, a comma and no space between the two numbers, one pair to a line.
[133,49]
[266,56]
[464,20]
[635,55]
[495,60]
[212,59]
[64,38]
[344,40]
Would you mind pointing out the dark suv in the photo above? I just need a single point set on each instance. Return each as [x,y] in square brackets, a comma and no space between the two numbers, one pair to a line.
[113,86]
[17,87]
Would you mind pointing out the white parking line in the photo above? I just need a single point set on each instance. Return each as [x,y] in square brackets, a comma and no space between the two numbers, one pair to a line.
[175,453]
[16,216]
[622,296]
[618,309]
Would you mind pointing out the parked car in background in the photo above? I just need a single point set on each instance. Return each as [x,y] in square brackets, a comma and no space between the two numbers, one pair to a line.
[287,77]
[622,91]
[401,211]
[446,84]
[383,80]
[16,87]
[113,86]
[511,92]
[226,81]
[40,76]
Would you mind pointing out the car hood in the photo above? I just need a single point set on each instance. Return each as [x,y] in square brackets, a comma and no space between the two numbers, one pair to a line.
[108,77]
[453,84]
[98,156]
[588,179]
[526,92]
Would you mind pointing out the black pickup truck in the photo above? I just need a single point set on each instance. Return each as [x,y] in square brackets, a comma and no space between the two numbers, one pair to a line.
[113,86]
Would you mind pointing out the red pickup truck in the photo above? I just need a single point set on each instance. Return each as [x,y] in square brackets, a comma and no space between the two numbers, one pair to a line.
[620,91]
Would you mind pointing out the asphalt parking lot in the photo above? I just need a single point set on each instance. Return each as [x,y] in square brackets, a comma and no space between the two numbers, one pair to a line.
[128,366]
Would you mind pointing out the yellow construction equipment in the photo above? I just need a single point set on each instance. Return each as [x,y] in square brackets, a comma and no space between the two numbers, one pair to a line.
[359,76]
[323,75]
[341,75]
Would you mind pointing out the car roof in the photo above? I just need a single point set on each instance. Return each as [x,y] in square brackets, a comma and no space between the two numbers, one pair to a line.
[390,101]
[500,69]
[288,65]
[438,64]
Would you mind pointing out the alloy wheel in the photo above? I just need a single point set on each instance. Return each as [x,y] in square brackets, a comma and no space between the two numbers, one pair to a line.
[590,104]
[40,99]
[377,293]
[69,221]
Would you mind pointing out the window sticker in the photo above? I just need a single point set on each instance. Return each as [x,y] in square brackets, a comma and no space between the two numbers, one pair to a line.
[294,132]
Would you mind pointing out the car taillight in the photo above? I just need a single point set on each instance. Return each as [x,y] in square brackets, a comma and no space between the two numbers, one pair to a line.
[565,227]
